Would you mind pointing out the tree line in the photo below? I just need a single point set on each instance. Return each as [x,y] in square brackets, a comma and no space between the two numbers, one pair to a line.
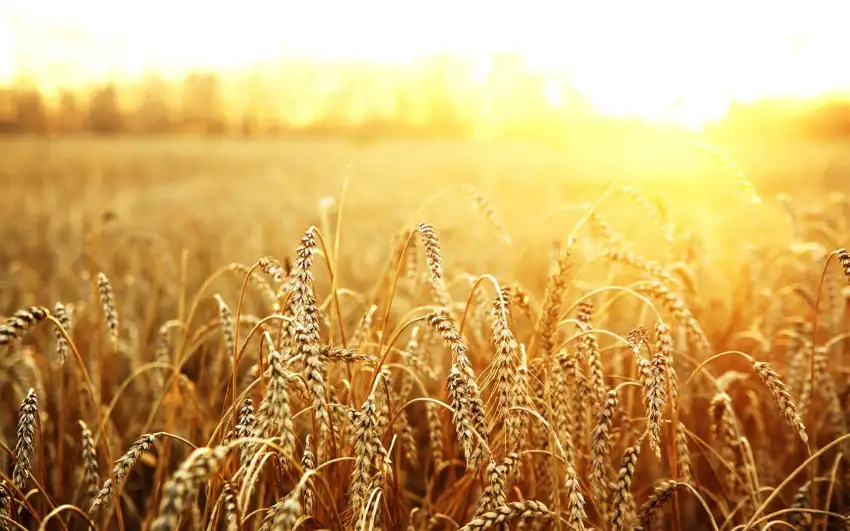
[440,98]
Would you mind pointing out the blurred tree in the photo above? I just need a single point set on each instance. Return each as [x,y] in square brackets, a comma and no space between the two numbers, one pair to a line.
[154,113]
[338,103]
[104,114]
[444,115]
[69,116]
[8,112]
[202,104]
[31,116]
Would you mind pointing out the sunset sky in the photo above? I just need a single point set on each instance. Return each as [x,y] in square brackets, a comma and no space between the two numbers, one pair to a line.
[630,58]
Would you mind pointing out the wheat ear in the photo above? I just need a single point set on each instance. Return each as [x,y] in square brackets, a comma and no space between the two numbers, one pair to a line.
[509,511]
[781,397]
[181,489]
[25,444]
[465,396]
[660,495]
[91,478]
[110,312]
[62,347]
[122,467]
[622,488]
[21,322]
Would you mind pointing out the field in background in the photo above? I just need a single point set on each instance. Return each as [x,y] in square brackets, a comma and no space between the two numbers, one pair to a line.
[234,200]
[244,199]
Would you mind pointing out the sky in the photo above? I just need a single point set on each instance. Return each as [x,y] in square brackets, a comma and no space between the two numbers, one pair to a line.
[627,57]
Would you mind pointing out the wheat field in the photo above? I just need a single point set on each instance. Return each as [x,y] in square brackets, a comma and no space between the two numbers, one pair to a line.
[214,334]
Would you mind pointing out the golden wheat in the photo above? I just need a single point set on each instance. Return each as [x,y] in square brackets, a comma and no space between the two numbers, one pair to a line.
[413,403]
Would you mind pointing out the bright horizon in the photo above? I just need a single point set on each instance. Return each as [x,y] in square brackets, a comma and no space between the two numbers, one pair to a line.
[654,59]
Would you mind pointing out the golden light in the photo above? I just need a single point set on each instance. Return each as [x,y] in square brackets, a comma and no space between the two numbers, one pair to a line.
[680,62]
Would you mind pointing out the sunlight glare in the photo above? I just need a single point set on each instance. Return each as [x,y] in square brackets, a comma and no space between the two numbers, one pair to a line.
[665,61]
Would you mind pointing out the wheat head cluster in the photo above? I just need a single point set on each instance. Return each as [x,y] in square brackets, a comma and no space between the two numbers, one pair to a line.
[277,398]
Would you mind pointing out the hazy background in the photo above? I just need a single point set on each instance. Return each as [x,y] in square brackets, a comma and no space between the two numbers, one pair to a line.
[221,126]
[413,68]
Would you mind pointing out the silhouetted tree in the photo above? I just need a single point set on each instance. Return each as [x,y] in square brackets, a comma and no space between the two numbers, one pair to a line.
[202,107]
[249,127]
[154,113]
[69,116]
[8,112]
[31,115]
[104,114]
[442,111]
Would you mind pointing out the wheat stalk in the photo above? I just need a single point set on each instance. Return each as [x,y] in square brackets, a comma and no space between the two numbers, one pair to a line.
[5,505]
[62,347]
[683,456]
[91,478]
[781,397]
[664,347]
[507,512]
[181,489]
[844,259]
[431,244]
[225,322]
[663,491]
[110,312]
[25,445]
[494,494]
[282,515]
[308,464]
[481,203]
[520,402]
[656,397]
[505,388]
[465,396]
[550,312]
[727,165]
[329,353]
[496,484]
[652,210]
[600,226]
[725,436]
[307,334]
[575,502]
[274,416]
[600,448]
[122,468]
[271,267]
[245,428]
[654,269]
[365,454]
[589,349]
[231,513]
[362,332]
[826,388]
[566,375]
[620,517]
[799,519]
[435,433]
[20,323]
[259,281]
[676,306]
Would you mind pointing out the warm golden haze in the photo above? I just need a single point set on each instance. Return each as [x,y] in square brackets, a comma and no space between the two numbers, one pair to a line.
[429,336]
[424,266]
[663,61]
